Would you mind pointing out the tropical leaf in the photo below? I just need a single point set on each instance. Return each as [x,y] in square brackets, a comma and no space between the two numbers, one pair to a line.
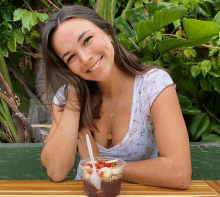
[211,138]
[29,19]
[42,16]
[5,52]
[186,106]
[171,43]
[12,43]
[206,83]
[195,70]
[7,24]
[152,7]
[196,30]
[206,65]
[17,15]
[123,26]
[161,19]
[216,84]
[215,63]
[216,128]
[198,126]
[19,36]
[214,72]
[216,19]
[136,15]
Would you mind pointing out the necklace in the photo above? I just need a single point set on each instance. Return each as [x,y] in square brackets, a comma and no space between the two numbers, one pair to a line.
[109,135]
[111,113]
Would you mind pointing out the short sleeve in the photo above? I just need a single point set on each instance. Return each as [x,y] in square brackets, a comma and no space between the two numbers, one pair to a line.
[156,80]
[59,97]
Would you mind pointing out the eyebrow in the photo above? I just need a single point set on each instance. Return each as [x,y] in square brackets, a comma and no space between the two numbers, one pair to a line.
[82,34]
[80,37]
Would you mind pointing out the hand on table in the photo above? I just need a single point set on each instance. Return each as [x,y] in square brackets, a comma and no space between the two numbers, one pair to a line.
[82,145]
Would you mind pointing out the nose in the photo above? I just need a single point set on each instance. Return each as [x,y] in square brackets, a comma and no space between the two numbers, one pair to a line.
[85,56]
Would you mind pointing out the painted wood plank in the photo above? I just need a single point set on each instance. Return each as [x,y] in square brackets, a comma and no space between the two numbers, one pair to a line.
[22,162]
[205,161]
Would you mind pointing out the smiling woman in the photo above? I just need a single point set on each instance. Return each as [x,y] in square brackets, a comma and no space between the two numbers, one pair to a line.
[130,110]
[85,48]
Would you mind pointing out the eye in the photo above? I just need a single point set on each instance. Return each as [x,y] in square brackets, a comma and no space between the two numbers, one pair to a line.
[70,58]
[87,39]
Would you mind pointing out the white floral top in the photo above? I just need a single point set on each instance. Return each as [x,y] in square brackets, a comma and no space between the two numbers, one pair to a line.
[139,143]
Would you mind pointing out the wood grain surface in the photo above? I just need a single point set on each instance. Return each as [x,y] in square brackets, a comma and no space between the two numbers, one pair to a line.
[67,188]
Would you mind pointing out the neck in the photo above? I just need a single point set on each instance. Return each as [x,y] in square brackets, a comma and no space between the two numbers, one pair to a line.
[111,87]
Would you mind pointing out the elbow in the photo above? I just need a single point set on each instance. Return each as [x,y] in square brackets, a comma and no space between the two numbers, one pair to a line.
[183,180]
[55,175]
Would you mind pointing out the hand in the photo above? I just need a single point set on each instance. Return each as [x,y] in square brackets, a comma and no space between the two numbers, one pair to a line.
[82,145]
[72,100]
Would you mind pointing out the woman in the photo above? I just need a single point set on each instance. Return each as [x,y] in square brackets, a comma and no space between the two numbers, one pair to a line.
[129,110]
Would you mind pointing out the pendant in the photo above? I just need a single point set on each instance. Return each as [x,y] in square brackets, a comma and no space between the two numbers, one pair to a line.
[109,136]
[111,115]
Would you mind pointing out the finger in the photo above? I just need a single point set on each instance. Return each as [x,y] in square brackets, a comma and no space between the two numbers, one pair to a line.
[85,131]
[83,153]
[79,143]
[82,138]
[91,138]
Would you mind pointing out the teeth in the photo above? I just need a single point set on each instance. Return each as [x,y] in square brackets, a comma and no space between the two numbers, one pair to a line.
[96,66]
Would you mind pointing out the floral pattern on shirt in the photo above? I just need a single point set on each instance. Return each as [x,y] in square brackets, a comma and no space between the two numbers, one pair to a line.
[139,142]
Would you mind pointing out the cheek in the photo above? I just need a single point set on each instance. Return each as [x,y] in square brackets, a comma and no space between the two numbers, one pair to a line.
[73,68]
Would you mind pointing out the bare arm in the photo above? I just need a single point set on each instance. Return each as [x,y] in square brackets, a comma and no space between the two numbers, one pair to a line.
[173,167]
[58,154]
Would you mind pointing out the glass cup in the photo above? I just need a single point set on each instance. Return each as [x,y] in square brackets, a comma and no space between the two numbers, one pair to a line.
[110,176]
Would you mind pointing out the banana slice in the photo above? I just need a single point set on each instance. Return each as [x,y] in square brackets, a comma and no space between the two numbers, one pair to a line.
[111,161]
[106,172]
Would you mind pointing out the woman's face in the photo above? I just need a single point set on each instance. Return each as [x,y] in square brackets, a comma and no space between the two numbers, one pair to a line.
[85,48]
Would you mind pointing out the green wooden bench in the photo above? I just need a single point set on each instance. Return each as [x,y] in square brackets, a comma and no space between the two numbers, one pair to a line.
[22,162]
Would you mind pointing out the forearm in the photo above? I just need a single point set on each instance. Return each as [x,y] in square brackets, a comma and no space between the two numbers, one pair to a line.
[160,172]
[58,155]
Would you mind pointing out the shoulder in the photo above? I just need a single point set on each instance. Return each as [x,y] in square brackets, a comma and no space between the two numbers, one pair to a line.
[154,82]
[156,74]
[59,97]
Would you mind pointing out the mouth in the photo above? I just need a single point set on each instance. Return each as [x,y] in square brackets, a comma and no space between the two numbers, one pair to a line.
[96,66]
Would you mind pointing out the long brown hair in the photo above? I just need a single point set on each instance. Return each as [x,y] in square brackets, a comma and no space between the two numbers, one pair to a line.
[88,94]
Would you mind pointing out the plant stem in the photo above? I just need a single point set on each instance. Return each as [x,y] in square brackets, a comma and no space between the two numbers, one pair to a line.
[45,4]
[28,6]
[4,70]
[113,9]
[60,3]
[210,113]
[108,12]
[36,56]
[204,45]
[102,8]
[54,5]
[9,120]
[128,6]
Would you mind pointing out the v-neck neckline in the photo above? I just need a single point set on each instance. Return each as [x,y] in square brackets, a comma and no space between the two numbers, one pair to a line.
[131,120]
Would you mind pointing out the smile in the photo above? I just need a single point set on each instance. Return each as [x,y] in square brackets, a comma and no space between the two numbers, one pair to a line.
[96,66]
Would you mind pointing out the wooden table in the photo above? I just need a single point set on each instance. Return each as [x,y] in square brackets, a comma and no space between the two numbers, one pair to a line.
[69,188]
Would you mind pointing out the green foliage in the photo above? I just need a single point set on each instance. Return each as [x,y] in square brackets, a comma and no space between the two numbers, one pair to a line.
[6,120]
[161,18]
[173,37]
[182,36]
[19,27]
